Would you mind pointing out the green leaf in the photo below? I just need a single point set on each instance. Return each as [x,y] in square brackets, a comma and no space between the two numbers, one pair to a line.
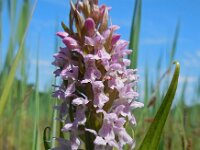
[65,28]
[175,41]
[1,62]
[135,31]
[12,7]
[36,133]
[152,138]
[11,75]
[55,125]
[23,19]
[1,6]
[46,138]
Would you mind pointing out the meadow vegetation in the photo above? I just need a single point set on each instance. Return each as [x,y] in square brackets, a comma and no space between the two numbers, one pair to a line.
[25,111]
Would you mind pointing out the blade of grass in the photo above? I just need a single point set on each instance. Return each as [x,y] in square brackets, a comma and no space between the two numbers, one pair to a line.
[46,138]
[55,124]
[1,6]
[1,62]
[11,75]
[153,135]
[146,85]
[12,11]
[135,32]
[36,125]
[24,15]
[198,88]
[12,6]
[16,108]
[174,44]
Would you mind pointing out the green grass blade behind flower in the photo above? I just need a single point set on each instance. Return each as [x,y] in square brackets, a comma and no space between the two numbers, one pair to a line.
[12,11]
[21,88]
[12,6]
[23,19]
[56,126]
[135,32]
[11,75]
[146,85]
[174,44]
[1,62]
[36,121]
[180,111]
[55,122]
[35,136]
[152,138]
[158,77]
[1,6]
[47,138]
[24,15]
[159,65]
[198,88]
[145,112]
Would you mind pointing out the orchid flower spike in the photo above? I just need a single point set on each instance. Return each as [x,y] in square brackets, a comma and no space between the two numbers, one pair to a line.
[98,91]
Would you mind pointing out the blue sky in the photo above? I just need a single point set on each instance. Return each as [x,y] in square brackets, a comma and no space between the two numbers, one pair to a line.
[159,19]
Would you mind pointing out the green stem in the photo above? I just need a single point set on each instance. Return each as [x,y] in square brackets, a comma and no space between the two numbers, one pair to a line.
[89,141]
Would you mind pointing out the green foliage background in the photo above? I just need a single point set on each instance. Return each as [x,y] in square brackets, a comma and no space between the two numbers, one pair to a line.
[25,111]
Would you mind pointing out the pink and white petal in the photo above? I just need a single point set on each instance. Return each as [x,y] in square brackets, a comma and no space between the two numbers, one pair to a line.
[99,141]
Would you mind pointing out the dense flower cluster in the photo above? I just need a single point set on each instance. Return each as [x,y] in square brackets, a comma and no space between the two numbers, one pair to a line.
[97,91]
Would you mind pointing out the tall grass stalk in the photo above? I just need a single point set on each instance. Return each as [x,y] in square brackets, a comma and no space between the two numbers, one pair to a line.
[11,75]
[55,122]
[153,136]
[174,44]
[1,62]
[135,33]
[36,139]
